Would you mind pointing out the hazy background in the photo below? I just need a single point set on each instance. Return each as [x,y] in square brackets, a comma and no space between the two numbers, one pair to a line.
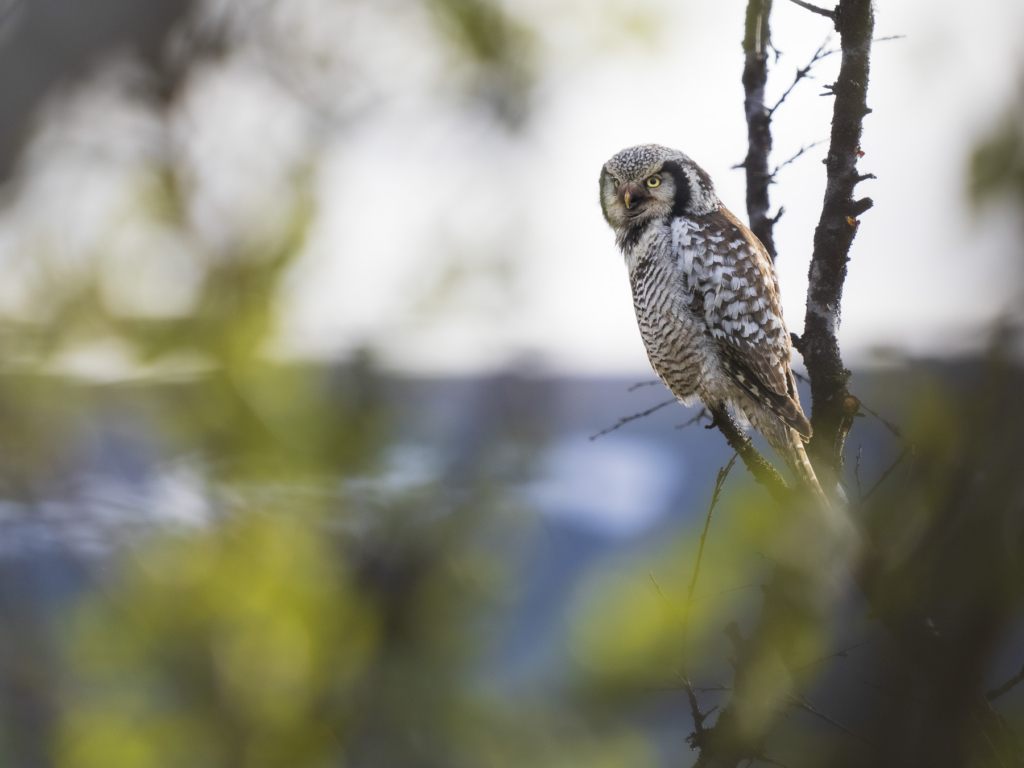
[308,317]
[455,226]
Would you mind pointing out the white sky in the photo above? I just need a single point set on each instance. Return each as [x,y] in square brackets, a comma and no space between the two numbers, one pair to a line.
[447,243]
[417,185]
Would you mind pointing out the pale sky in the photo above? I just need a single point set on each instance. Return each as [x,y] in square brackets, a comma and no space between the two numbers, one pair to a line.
[924,273]
[449,244]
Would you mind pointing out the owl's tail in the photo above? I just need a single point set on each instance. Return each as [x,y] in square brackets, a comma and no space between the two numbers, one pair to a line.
[801,467]
[788,443]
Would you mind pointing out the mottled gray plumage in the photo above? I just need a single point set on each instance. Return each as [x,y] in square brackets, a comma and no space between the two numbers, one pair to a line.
[705,294]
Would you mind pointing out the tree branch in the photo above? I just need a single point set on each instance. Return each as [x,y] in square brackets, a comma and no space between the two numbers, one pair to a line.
[885,475]
[756,39]
[832,410]
[800,702]
[791,160]
[1006,687]
[816,9]
[802,73]
[701,415]
[626,419]
[697,738]
[762,470]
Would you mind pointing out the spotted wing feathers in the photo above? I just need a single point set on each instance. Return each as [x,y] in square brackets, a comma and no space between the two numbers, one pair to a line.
[734,289]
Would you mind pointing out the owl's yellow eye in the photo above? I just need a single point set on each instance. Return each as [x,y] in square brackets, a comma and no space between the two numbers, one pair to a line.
[653,182]
[616,183]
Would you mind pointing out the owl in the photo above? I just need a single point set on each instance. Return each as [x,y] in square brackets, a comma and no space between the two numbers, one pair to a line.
[706,296]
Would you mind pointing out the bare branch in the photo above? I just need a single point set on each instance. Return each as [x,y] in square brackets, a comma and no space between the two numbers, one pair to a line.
[701,415]
[724,592]
[697,738]
[804,72]
[856,475]
[641,384]
[890,426]
[626,419]
[876,686]
[1006,687]
[798,701]
[762,470]
[885,475]
[843,654]
[723,473]
[815,9]
[832,413]
[826,54]
[791,160]
[756,40]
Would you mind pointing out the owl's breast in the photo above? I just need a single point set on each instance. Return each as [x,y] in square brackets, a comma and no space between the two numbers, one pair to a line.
[677,343]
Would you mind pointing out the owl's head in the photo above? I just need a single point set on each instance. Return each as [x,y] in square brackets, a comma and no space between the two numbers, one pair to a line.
[649,182]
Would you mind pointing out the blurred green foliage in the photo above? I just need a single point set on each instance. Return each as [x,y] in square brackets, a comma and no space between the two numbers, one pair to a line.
[318,613]
[245,645]
[997,164]
[501,47]
[308,610]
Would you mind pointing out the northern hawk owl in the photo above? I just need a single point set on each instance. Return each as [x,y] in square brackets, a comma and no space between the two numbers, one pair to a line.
[706,296]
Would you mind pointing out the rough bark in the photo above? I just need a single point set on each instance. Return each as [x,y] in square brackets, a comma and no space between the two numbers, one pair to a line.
[833,407]
[797,599]
[759,136]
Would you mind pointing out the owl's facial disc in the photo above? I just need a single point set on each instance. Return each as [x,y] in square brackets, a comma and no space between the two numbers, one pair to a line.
[632,197]
[637,195]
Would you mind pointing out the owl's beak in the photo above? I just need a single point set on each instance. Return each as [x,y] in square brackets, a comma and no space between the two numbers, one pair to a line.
[631,193]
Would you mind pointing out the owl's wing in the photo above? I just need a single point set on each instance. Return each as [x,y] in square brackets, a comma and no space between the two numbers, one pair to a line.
[733,287]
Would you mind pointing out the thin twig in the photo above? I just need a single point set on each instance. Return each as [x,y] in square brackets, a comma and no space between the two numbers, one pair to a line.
[661,593]
[696,739]
[826,54]
[703,414]
[724,592]
[815,9]
[723,473]
[802,73]
[640,384]
[794,157]
[798,701]
[890,426]
[837,655]
[698,717]
[875,686]
[1005,687]
[713,688]
[885,475]
[856,475]
[626,419]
